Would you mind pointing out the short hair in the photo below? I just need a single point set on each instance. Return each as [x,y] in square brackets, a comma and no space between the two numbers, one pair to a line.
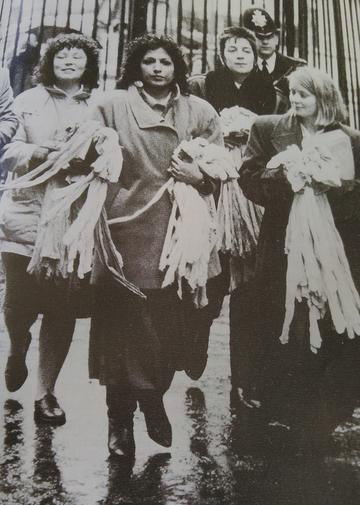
[131,70]
[237,32]
[44,73]
[330,104]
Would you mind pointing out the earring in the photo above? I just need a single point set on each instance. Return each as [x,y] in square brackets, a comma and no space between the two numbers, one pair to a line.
[139,84]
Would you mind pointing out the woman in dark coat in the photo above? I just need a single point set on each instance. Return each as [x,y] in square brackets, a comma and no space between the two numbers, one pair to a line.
[238,82]
[300,389]
[137,345]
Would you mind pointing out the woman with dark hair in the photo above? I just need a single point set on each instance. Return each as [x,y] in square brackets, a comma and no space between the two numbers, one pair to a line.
[66,74]
[303,391]
[238,82]
[136,346]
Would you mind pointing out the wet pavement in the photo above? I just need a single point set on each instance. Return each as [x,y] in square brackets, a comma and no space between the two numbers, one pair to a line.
[218,457]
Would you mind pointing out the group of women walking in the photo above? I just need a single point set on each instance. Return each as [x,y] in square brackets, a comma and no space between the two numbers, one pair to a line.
[137,344]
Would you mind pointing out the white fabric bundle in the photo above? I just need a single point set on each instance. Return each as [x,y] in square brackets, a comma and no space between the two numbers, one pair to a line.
[318,270]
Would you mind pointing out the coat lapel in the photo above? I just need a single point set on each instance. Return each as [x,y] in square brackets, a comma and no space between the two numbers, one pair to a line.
[286,132]
[143,113]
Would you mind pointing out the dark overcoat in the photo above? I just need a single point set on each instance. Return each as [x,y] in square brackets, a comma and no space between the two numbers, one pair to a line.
[269,136]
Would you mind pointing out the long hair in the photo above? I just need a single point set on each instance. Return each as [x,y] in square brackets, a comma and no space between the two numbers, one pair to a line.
[131,70]
[330,104]
[44,73]
[237,32]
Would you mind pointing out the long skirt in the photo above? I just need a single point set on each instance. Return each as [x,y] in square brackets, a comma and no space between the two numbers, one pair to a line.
[138,344]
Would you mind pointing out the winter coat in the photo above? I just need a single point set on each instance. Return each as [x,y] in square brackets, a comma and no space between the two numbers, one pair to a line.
[8,119]
[269,136]
[148,142]
[44,113]
[256,93]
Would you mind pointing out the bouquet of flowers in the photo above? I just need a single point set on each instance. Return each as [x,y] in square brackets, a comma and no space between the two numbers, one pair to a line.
[192,231]
[318,270]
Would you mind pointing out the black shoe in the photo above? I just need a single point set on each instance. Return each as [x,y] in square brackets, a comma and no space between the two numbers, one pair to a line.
[16,370]
[48,411]
[157,423]
[121,441]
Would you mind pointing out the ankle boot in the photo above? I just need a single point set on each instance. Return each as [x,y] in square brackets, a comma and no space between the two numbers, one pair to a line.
[121,441]
[157,423]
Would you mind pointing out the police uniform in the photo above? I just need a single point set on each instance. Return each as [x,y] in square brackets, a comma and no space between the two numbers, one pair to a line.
[260,22]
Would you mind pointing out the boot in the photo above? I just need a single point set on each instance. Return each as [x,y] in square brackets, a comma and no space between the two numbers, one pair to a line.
[157,423]
[121,408]
[16,370]
[121,441]
[18,325]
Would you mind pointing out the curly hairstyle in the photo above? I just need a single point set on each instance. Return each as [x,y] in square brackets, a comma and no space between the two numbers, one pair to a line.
[44,73]
[237,32]
[330,104]
[131,70]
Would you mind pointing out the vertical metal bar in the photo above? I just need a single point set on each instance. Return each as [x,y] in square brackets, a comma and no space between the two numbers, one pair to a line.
[204,42]
[330,38]
[303,29]
[17,36]
[82,15]
[179,22]
[192,25]
[317,38]
[356,70]
[41,31]
[290,27]
[326,32]
[96,15]
[229,22]
[55,18]
[167,8]
[241,14]
[154,13]
[121,39]
[1,16]
[68,14]
[7,31]
[340,51]
[216,33]
[108,25]
[357,17]
[347,38]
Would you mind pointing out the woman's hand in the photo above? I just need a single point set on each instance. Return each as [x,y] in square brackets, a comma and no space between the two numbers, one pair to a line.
[185,171]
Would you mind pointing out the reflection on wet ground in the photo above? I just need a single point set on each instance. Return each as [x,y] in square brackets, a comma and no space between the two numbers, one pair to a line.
[220,455]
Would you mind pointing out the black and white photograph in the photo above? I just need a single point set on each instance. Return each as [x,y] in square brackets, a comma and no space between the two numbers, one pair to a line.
[179,252]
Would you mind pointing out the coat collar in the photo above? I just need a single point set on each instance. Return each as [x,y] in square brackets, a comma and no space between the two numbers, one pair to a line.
[82,94]
[143,113]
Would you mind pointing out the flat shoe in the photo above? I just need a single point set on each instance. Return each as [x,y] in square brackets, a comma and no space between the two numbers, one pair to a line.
[48,411]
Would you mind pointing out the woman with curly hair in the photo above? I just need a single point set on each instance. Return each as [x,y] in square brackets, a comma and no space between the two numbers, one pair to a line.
[65,76]
[137,345]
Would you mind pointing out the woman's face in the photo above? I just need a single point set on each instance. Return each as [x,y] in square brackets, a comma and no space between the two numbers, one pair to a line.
[303,103]
[69,64]
[157,70]
[239,56]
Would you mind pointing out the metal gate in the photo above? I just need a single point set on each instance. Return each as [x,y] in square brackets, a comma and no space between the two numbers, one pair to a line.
[324,32]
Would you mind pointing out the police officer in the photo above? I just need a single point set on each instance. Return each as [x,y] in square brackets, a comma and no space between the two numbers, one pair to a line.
[271,63]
